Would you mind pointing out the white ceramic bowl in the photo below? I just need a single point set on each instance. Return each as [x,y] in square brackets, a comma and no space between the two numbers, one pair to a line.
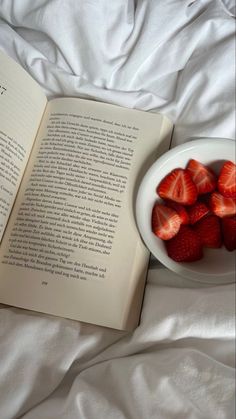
[218,265]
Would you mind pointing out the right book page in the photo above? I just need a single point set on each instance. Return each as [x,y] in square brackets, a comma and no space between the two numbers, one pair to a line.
[72,236]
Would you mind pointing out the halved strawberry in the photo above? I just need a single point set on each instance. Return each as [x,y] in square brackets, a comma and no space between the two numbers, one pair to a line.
[209,231]
[197,211]
[221,206]
[227,180]
[229,232]
[178,186]
[181,211]
[203,177]
[165,221]
[185,246]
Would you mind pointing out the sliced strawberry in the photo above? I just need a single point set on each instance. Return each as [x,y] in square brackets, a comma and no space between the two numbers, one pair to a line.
[178,186]
[197,211]
[185,246]
[229,232]
[209,231]
[165,222]
[227,180]
[203,177]
[181,211]
[221,206]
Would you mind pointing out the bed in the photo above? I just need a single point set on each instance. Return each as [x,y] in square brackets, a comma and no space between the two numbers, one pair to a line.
[175,57]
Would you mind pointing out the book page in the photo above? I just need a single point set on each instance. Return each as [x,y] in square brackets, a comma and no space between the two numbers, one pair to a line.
[72,234]
[22,103]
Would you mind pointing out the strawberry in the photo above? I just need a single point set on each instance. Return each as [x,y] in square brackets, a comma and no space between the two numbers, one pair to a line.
[227,180]
[229,232]
[221,206]
[181,211]
[203,177]
[209,231]
[165,221]
[178,186]
[197,211]
[185,246]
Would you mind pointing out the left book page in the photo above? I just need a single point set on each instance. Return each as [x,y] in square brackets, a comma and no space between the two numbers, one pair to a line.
[22,104]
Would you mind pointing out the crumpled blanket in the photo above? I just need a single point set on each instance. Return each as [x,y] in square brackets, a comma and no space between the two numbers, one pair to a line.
[174,57]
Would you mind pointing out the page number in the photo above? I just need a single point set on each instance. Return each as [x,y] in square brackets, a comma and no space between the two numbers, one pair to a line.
[44,283]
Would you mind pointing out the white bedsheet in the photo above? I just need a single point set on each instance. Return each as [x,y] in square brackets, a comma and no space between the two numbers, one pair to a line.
[176,57]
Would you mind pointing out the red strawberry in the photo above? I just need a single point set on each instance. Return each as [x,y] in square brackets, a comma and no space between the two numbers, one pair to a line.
[185,246]
[178,186]
[209,231]
[181,211]
[197,211]
[203,177]
[165,222]
[229,232]
[221,206]
[227,180]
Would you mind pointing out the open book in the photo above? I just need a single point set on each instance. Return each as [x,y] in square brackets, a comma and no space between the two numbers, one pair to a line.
[69,172]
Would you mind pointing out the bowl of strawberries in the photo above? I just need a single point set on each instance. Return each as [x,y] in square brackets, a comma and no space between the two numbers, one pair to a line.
[186,210]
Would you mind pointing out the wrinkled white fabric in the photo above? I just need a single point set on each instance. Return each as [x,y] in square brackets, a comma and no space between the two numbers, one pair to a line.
[175,57]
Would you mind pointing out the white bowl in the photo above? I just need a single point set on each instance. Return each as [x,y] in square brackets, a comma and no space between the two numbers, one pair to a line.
[217,265]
